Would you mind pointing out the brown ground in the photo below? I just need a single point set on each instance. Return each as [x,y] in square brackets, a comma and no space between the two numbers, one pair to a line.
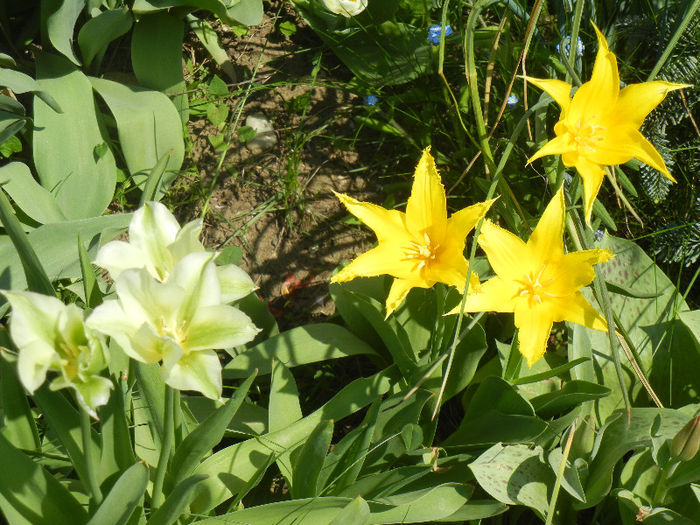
[292,239]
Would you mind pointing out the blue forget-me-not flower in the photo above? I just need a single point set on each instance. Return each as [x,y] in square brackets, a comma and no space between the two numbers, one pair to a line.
[567,45]
[434,33]
[371,100]
[512,101]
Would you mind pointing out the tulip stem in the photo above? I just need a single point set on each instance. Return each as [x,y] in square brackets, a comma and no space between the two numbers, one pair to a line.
[93,485]
[165,448]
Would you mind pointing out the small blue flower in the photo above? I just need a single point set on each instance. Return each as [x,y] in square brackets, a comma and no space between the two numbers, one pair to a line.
[371,100]
[567,45]
[512,101]
[598,235]
[434,33]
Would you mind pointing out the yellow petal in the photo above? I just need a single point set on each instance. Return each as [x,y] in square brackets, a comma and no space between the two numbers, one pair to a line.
[453,273]
[508,255]
[559,145]
[592,175]
[426,210]
[574,270]
[557,89]
[534,325]
[399,290]
[598,96]
[385,259]
[637,100]
[646,152]
[547,241]
[387,224]
[462,222]
[577,310]
[495,295]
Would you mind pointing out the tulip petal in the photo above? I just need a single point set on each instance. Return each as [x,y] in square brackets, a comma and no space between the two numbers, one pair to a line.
[559,145]
[152,229]
[386,224]
[637,100]
[597,97]
[235,283]
[118,256]
[574,270]
[399,290]
[534,324]
[385,259]
[465,220]
[219,326]
[647,153]
[577,310]
[507,253]
[196,275]
[547,238]
[494,295]
[187,240]
[592,175]
[557,89]
[91,393]
[199,371]
[426,210]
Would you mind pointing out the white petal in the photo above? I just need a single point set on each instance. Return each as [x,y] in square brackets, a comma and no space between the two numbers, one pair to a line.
[152,230]
[187,240]
[219,326]
[196,275]
[200,371]
[235,283]
[118,256]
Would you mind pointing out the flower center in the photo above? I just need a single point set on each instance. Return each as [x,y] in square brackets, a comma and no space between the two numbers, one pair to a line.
[533,288]
[421,253]
[586,135]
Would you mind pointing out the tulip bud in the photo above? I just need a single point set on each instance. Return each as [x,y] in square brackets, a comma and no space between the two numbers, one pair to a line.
[686,443]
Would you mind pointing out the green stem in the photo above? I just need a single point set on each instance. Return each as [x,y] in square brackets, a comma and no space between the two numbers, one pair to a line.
[674,40]
[560,475]
[93,485]
[573,42]
[165,449]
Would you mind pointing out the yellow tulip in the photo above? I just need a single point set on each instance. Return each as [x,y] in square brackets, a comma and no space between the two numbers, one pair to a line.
[420,247]
[536,280]
[599,126]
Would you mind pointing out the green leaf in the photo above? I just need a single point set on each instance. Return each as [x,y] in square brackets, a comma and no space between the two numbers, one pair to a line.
[298,346]
[307,461]
[154,184]
[59,17]
[64,144]
[93,295]
[248,12]
[36,278]
[210,40]
[28,494]
[354,513]
[246,458]
[284,409]
[97,33]
[206,436]
[692,321]
[553,372]
[495,413]
[156,57]
[21,83]
[175,505]
[515,475]
[571,394]
[32,198]
[246,133]
[121,501]
[54,245]
[18,425]
[148,126]
[116,452]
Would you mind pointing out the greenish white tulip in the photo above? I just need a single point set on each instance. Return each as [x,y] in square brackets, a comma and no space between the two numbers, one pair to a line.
[178,322]
[345,7]
[51,336]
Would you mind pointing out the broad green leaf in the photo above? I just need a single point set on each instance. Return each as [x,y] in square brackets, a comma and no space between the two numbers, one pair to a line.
[175,505]
[116,452]
[692,321]
[298,346]
[308,460]
[65,144]
[210,40]
[97,33]
[284,409]
[206,436]
[418,506]
[54,245]
[18,425]
[570,481]
[65,422]
[477,510]
[20,83]
[10,125]
[32,198]
[155,182]
[152,389]
[231,468]
[515,475]
[59,17]
[36,278]
[148,126]
[570,395]
[496,413]
[354,513]
[247,12]
[29,494]
[156,57]
[125,495]
[648,320]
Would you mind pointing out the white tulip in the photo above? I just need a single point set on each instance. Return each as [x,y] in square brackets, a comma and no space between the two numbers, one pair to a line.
[345,7]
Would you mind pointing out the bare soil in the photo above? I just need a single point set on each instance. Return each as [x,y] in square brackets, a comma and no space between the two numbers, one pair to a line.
[278,205]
